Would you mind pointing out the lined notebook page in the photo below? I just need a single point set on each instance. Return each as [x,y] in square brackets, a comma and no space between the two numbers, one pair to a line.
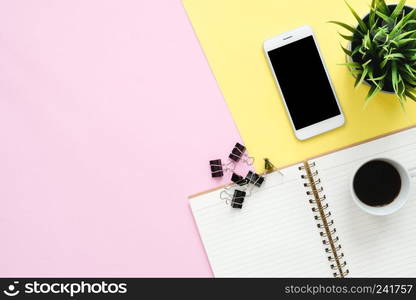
[273,235]
[374,246]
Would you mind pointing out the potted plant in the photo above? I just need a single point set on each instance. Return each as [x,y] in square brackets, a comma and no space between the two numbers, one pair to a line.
[382,49]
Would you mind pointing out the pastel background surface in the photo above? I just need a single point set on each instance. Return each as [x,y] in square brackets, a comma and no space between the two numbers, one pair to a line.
[232,33]
[108,116]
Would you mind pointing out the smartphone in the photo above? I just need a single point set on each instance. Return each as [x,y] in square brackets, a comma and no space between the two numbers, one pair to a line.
[304,83]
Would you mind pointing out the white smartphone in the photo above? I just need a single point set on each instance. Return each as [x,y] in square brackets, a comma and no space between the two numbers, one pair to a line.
[304,82]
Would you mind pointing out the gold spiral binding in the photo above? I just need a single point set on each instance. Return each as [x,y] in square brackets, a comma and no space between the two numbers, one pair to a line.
[340,256]
[331,232]
[325,206]
[330,223]
[324,221]
[342,274]
[322,199]
[315,182]
[314,173]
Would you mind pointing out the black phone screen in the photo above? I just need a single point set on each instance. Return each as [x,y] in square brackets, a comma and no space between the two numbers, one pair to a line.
[304,83]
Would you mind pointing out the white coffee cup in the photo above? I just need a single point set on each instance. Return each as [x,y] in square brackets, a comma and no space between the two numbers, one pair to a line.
[398,202]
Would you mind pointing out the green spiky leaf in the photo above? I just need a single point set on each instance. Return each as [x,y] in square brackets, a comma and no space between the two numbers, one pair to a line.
[383,16]
[398,9]
[346,26]
[346,51]
[382,6]
[362,77]
[410,95]
[346,37]
[371,93]
[361,23]
[372,16]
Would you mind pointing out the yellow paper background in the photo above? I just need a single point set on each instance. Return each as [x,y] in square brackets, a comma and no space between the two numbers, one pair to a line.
[232,32]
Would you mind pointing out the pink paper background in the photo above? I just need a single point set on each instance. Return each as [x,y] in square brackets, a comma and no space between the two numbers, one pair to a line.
[108,116]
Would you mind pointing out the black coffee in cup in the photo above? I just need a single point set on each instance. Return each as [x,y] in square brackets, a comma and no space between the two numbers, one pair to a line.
[377,183]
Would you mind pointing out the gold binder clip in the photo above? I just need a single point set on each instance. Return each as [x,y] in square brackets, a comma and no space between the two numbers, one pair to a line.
[269,167]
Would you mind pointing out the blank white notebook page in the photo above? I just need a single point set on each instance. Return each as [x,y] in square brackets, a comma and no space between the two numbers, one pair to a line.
[374,246]
[273,235]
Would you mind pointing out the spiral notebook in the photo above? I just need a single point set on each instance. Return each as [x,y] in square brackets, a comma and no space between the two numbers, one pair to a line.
[304,223]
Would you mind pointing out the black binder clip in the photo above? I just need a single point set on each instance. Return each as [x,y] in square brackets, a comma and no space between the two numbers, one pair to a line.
[238,179]
[218,168]
[235,200]
[238,153]
[254,178]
